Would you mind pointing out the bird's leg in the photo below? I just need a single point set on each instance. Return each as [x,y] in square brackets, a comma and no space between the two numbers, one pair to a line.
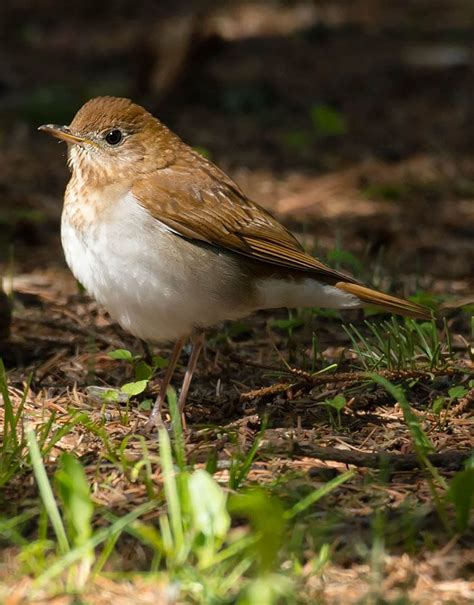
[155,416]
[197,340]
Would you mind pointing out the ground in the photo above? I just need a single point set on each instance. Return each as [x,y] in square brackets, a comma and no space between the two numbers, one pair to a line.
[365,152]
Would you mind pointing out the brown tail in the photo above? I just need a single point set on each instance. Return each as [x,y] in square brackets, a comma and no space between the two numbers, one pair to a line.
[389,303]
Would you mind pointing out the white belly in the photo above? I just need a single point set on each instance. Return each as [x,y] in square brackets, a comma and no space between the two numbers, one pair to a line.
[155,284]
[159,286]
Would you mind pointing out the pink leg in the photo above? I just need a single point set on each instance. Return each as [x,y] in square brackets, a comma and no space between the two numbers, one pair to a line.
[197,340]
[155,416]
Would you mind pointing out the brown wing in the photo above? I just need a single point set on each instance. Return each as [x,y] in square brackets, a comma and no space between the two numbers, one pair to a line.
[199,202]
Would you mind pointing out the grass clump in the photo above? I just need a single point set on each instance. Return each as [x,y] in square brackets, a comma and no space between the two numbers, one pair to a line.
[396,345]
[211,543]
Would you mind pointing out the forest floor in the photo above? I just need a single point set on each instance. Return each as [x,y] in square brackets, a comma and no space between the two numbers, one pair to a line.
[356,430]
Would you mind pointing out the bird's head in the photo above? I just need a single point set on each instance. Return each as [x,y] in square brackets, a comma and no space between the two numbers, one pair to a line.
[111,138]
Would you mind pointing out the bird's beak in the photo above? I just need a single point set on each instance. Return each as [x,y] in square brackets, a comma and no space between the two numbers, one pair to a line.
[62,132]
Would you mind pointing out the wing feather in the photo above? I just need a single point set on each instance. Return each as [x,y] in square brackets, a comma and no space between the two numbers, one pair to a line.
[218,213]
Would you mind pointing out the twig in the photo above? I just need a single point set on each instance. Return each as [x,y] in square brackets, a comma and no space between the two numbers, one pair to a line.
[312,380]
[452,459]
[463,404]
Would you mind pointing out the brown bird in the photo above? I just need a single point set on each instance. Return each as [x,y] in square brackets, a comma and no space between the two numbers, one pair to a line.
[170,245]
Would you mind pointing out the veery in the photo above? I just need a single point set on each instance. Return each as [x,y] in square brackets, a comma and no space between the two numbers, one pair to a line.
[170,245]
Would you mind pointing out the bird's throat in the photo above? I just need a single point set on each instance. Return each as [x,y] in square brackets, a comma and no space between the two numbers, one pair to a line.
[87,205]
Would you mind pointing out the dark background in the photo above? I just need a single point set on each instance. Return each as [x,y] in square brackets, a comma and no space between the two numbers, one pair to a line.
[351,120]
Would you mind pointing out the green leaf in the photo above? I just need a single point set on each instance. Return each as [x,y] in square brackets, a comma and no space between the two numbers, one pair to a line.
[134,388]
[461,493]
[160,362]
[266,517]
[121,354]
[146,405]
[327,121]
[438,405]
[338,256]
[338,402]
[267,589]
[110,395]
[457,392]
[209,505]
[143,371]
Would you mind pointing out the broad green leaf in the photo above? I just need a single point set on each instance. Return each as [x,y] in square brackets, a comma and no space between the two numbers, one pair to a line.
[457,392]
[146,405]
[160,362]
[209,505]
[121,354]
[338,402]
[134,388]
[268,589]
[143,371]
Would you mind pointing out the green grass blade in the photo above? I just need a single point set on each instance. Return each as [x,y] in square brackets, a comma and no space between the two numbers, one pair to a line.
[9,429]
[171,489]
[317,494]
[176,423]
[46,492]
[60,433]
[76,554]
[240,471]
[422,444]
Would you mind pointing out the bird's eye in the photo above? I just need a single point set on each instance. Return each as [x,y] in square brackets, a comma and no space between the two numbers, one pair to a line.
[114,137]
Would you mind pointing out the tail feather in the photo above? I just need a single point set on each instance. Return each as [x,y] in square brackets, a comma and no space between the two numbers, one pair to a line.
[385,301]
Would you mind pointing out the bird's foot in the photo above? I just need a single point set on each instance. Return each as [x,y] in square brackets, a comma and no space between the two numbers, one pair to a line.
[156,422]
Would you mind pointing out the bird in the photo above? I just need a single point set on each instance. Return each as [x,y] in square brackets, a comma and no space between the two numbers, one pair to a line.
[170,245]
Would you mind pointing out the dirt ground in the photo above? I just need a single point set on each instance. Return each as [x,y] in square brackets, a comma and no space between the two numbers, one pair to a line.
[387,177]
